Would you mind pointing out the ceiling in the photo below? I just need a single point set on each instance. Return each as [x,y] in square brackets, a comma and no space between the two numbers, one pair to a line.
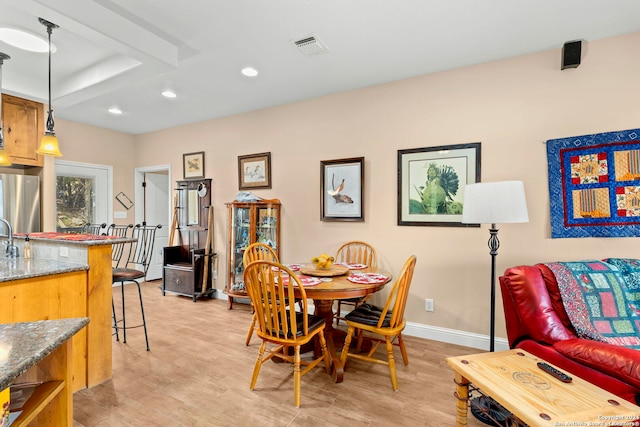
[124,53]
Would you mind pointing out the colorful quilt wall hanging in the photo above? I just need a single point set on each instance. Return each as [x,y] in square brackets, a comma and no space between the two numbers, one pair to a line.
[594,185]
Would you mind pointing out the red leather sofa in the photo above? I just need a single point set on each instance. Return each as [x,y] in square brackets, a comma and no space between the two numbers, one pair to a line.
[537,322]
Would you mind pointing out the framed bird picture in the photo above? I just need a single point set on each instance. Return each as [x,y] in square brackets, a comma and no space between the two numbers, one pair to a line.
[431,183]
[254,171]
[342,189]
[193,165]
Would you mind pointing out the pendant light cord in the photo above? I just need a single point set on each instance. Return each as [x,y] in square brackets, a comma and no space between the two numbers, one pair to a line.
[50,124]
[50,26]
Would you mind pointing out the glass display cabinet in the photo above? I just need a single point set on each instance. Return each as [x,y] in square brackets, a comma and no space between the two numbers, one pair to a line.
[249,222]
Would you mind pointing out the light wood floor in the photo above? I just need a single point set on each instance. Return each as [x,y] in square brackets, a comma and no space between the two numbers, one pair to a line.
[198,372]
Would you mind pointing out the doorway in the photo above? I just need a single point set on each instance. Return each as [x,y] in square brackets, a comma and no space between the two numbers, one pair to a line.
[84,194]
[153,206]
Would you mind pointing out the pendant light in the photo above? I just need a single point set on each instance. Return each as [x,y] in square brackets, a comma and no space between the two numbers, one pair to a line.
[49,143]
[4,159]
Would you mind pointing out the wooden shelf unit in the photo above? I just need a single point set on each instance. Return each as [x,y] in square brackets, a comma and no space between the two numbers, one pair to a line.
[44,394]
[51,403]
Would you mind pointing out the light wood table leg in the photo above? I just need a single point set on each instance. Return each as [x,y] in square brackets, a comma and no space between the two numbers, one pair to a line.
[462,400]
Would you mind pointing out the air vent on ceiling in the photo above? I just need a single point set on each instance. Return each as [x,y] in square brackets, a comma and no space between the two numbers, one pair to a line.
[310,45]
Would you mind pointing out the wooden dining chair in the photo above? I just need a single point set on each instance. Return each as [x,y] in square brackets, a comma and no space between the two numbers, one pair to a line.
[387,322]
[257,252]
[355,252]
[279,324]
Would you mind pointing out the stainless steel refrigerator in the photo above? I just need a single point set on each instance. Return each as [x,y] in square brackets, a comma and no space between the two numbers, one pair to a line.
[20,202]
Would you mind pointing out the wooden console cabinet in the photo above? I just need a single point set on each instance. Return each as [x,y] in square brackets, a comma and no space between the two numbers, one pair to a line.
[184,264]
[23,129]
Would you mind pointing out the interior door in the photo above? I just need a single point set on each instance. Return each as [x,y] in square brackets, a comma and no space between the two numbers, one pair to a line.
[155,212]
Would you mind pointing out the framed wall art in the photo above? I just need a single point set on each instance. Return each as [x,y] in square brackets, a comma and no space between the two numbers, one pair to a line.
[594,185]
[254,171]
[342,189]
[193,165]
[125,201]
[431,183]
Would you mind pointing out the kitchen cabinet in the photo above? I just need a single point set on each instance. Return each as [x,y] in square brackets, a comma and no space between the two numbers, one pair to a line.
[184,264]
[249,222]
[23,124]
[50,286]
[60,296]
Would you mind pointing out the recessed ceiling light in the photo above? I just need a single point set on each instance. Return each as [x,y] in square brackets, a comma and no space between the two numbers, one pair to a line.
[169,94]
[249,71]
[25,40]
[115,110]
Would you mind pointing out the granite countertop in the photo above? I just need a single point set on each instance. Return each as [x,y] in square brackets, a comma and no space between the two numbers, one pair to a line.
[79,239]
[22,345]
[21,268]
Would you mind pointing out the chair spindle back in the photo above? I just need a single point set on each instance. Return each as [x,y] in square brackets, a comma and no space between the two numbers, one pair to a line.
[89,228]
[142,248]
[274,304]
[258,252]
[117,249]
[397,300]
[357,252]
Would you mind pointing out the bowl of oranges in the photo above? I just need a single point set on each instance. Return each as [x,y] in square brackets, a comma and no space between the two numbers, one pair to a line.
[322,262]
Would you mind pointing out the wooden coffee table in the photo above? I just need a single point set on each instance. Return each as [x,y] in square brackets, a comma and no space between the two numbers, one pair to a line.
[513,379]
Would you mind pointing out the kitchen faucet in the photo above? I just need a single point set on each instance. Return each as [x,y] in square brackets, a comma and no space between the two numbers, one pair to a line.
[12,251]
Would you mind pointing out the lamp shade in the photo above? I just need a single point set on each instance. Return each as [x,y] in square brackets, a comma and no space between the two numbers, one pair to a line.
[494,202]
[4,158]
[49,145]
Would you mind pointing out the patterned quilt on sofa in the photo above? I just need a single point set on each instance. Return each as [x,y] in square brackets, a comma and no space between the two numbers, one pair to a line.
[599,302]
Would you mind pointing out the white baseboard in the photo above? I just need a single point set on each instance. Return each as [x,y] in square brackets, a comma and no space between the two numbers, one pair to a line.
[451,336]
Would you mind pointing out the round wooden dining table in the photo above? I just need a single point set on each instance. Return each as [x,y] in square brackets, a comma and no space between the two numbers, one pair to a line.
[335,287]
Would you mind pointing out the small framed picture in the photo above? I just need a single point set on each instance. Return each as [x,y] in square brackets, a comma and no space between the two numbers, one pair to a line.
[342,189]
[254,171]
[124,200]
[193,165]
[431,183]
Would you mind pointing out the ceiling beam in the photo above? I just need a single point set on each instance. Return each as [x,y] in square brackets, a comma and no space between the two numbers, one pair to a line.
[103,26]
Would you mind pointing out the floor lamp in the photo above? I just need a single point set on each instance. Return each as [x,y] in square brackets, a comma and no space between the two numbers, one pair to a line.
[494,203]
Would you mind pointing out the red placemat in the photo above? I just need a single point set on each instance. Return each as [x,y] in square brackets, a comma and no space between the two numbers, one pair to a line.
[305,280]
[354,266]
[367,278]
[292,267]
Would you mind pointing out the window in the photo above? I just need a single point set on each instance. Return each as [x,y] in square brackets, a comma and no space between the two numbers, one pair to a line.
[83,195]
